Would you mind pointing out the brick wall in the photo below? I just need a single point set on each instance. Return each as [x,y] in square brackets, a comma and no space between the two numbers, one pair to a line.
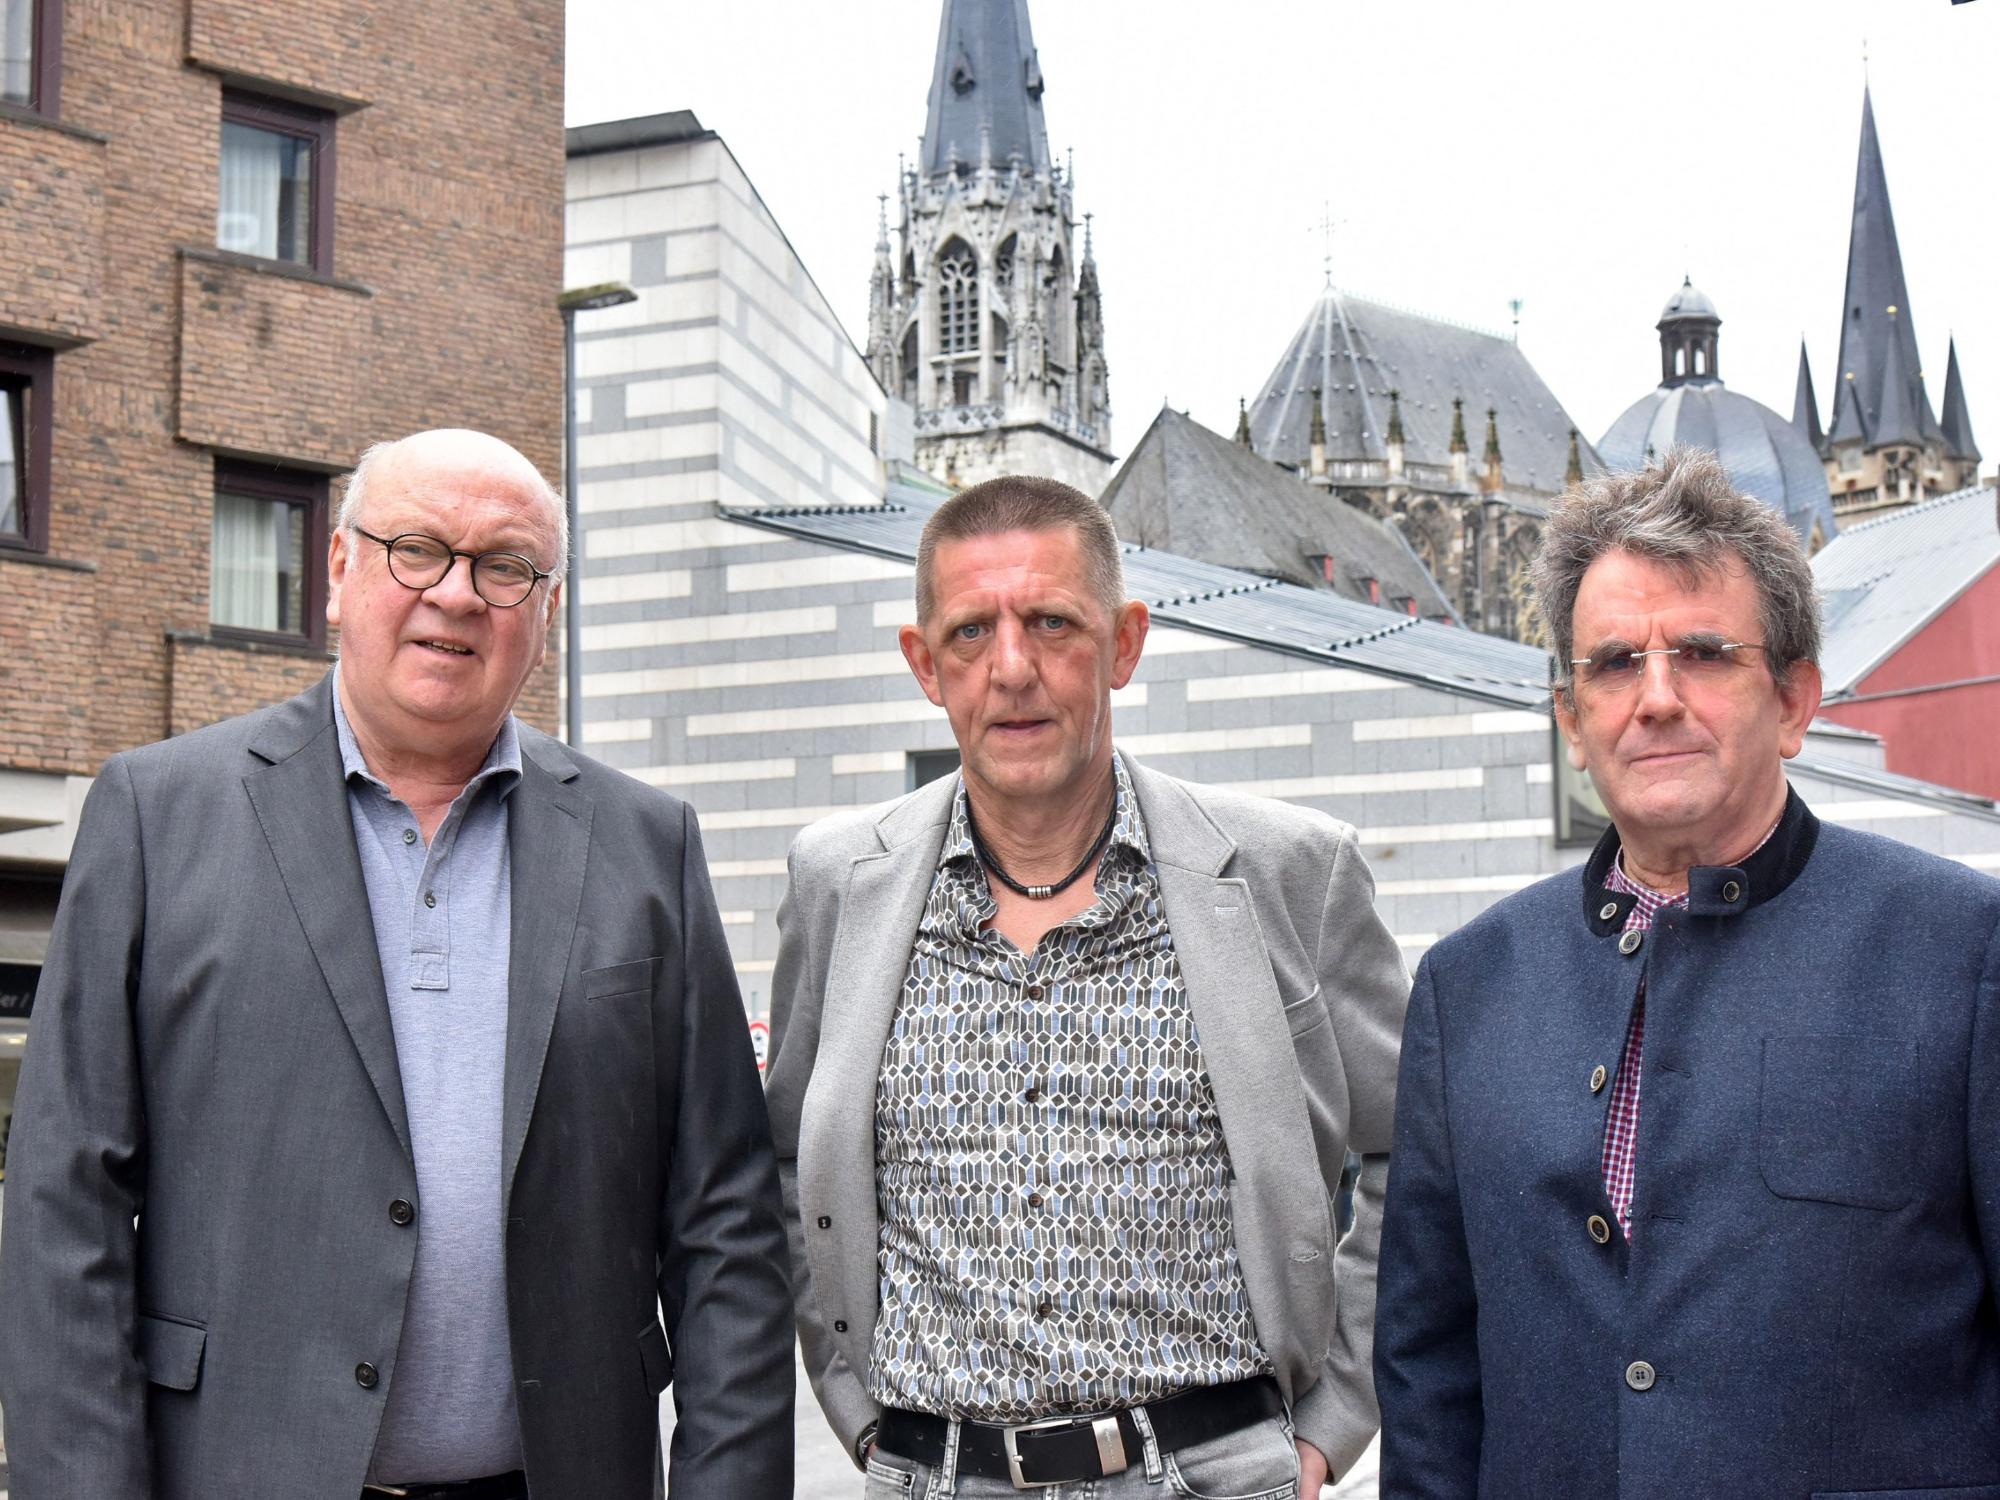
[441,312]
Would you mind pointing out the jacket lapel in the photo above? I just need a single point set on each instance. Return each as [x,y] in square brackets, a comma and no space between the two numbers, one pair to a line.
[548,839]
[300,797]
[1252,1066]
[884,902]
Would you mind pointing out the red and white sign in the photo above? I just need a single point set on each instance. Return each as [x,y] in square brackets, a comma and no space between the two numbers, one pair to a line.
[760,1041]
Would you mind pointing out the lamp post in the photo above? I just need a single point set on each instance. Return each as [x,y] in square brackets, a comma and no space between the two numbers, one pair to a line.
[569,304]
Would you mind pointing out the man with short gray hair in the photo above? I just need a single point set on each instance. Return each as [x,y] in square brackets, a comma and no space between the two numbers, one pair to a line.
[391,1126]
[1696,1184]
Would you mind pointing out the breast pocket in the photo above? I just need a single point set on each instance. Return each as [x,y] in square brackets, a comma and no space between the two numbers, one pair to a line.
[620,979]
[1838,1119]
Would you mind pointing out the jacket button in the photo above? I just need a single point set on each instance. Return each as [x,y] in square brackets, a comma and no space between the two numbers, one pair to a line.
[1597,1077]
[1599,1230]
[400,1211]
[1629,941]
[1731,891]
[840,1325]
[1639,1375]
[1608,912]
[824,1222]
[365,1376]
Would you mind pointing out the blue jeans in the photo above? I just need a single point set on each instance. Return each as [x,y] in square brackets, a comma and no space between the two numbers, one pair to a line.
[1259,1462]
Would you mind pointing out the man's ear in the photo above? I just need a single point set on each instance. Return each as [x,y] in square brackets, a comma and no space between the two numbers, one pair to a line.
[336,573]
[1572,732]
[1129,639]
[1798,701]
[923,666]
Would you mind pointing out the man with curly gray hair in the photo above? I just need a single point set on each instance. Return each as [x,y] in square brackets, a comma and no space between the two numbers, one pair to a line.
[1694,1186]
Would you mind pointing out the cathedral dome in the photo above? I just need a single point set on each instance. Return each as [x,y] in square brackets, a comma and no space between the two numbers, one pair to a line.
[1765,455]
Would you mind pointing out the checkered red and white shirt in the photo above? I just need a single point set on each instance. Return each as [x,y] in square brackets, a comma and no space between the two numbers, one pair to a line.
[1621,1130]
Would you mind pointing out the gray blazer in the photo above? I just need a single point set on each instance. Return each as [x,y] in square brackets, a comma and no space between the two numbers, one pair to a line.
[212,1057]
[1298,994]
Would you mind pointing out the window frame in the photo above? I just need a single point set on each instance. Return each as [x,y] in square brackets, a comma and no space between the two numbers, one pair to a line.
[36,369]
[292,487]
[316,126]
[45,77]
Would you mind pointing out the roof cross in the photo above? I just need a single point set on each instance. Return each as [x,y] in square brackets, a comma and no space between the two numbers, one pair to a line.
[1326,228]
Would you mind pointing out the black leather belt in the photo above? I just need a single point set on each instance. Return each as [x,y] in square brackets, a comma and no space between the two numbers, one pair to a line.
[1068,1450]
[509,1486]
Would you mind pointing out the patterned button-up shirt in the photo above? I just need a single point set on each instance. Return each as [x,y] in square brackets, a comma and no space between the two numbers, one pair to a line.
[1621,1131]
[1053,1183]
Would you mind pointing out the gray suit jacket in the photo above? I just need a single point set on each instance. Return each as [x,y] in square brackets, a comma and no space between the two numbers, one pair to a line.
[212,1057]
[1298,994]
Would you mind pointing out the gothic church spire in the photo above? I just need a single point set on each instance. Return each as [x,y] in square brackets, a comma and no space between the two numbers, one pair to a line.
[986,90]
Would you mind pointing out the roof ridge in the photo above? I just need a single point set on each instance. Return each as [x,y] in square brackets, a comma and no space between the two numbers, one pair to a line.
[1417,312]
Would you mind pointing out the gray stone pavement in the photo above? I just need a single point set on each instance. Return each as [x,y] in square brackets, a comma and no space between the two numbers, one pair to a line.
[825,1473]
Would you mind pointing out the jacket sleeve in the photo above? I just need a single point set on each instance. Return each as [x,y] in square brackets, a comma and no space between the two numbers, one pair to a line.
[70,1375]
[807,919]
[1366,988]
[1426,1337]
[1982,1118]
[722,1246]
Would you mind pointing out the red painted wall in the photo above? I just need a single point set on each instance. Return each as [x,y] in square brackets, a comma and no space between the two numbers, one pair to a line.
[1952,738]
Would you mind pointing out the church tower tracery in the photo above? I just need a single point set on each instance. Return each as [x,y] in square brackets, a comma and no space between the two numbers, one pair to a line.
[984,318]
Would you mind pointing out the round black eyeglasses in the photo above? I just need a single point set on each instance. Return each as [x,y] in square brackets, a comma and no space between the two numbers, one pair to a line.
[417,561]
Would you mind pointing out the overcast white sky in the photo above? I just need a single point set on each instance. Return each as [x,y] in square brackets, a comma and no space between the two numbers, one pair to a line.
[1577,155]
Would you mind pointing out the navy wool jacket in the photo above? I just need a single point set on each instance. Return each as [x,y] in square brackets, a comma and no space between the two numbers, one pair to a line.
[1806,1307]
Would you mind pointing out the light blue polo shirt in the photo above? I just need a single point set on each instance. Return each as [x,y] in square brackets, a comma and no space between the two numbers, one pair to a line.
[442,928]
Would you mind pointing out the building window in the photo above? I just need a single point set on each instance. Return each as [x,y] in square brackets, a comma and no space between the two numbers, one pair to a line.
[926,766]
[1581,817]
[30,53]
[276,193]
[27,387]
[958,300]
[267,571]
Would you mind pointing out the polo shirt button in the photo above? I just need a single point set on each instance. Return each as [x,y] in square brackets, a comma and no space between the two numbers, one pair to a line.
[1628,942]
[1639,1375]
[365,1376]
[400,1211]
[1608,911]
[1043,1308]
[1033,1095]
[1731,891]
[840,1325]
[1034,992]
[824,1222]
[409,835]
[1599,1230]
[1034,1200]
[1597,1077]
[430,898]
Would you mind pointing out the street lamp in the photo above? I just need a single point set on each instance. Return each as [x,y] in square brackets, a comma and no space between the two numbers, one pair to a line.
[569,304]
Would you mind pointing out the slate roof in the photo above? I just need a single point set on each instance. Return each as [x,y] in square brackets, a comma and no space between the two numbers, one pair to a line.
[1195,492]
[1307,623]
[1878,347]
[1805,405]
[1883,581]
[1357,351]
[1956,420]
[1765,455]
[987,74]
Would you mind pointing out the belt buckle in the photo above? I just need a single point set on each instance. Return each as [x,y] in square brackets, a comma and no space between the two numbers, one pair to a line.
[1111,1457]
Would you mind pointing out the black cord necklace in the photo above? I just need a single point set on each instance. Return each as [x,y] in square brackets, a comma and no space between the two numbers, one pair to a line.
[1039,892]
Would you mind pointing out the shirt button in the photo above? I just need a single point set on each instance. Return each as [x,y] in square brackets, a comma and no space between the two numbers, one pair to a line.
[1043,1308]
[430,899]
[840,1325]
[1034,992]
[1033,1095]
[365,1376]
[1597,1077]
[825,1222]
[400,1211]
[1639,1375]
[1608,911]
[1628,943]
[1034,1200]
[409,835]
[1599,1230]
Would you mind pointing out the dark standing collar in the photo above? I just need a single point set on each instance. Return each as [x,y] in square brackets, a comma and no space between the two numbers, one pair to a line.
[1713,890]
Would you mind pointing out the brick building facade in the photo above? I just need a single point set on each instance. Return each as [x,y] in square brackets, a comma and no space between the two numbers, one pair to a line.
[243,241]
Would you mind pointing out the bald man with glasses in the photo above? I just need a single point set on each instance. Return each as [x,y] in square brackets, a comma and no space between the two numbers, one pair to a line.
[391,1125]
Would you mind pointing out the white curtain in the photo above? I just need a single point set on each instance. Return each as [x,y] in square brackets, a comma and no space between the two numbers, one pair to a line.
[13,459]
[253,164]
[243,582]
[17,50]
